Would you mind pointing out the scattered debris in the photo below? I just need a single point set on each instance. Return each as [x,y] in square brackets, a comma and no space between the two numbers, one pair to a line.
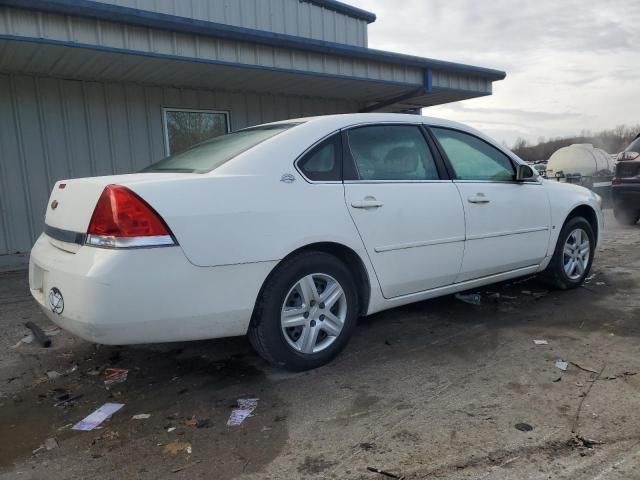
[184,467]
[26,339]
[386,474]
[176,447]
[367,446]
[113,376]
[589,278]
[523,427]
[66,399]
[50,444]
[52,374]
[73,369]
[141,416]
[621,375]
[561,364]
[39,335]
[64,427]
[600,284]
[540,342]
[581,441]
[576,420]
[97,417]
[239,415]
[470,298]
[586,369]
[170,429]
[198,423]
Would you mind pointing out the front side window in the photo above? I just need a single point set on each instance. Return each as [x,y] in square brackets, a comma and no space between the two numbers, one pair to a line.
[210,155]
[391,152]
[323,162]
[472,158]
[186,128]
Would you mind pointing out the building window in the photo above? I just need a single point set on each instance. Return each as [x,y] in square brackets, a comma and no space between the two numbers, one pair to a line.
[185,128]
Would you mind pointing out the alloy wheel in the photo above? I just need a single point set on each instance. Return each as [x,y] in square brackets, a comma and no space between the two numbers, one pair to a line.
[577,250]
[313,313]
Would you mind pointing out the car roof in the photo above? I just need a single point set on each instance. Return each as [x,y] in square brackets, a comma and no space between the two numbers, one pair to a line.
[350,119]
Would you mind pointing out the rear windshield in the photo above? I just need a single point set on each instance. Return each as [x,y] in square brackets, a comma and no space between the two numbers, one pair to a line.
[634,147]
[209,155]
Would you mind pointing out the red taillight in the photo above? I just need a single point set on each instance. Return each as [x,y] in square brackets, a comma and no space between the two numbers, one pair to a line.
[121,213]
[625,156]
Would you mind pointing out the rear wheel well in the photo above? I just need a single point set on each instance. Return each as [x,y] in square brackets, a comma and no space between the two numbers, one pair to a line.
[346,255]
[589,214]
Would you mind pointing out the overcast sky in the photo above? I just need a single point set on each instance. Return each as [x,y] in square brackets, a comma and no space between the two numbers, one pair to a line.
[571,64]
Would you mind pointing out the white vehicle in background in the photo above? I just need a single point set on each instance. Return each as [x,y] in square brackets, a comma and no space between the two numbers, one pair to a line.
[289,231]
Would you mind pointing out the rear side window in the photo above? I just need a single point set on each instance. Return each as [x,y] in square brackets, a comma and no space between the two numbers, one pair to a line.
[391,152]
[211,154]
[634,147]
[472,158]
[324,162]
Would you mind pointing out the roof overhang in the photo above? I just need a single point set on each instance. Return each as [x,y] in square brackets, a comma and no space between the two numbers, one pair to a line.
[177,51]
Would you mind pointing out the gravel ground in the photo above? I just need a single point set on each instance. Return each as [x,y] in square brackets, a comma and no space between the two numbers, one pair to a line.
[439,389]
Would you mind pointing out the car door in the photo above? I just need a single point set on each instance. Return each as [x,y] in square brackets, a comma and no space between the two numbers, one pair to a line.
[507,222]
[407,212]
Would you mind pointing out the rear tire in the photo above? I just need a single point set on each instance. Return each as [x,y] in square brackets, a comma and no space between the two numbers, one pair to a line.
[292,326]
[625,215]
[571,263]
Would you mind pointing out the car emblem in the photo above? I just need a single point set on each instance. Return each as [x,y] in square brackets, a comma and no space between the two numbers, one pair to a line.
[56,302]
[287,178]
[54,205]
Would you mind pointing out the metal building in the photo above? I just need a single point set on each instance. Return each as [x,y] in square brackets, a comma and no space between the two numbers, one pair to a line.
[101,87]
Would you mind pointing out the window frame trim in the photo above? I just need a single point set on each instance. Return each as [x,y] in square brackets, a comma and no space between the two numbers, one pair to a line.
[349,161]
[165,125]
[454,177]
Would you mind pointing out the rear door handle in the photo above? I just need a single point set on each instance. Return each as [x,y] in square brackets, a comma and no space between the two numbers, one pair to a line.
[368,202]
[478,198]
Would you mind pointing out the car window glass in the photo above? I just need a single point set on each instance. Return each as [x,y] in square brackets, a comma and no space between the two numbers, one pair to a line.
[472,158]
[391,152]
[323,162]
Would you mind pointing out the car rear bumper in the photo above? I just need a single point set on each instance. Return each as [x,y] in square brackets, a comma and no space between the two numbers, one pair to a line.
[149,295]
[627,194]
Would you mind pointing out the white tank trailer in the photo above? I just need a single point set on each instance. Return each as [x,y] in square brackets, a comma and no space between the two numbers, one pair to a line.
[584,165]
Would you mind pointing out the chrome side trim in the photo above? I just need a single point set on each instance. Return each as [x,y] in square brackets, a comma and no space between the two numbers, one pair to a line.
[103,241]
[504,234]
[426,243]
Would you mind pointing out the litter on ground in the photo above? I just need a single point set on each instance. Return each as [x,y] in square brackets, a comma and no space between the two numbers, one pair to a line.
[113,376]
[561,364]
[97,417]
[239,415]
[141,416]
[541,342]
[174,448]
[470,298]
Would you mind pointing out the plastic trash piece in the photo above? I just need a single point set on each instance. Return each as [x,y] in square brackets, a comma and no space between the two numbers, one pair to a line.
[97,417]
[471,298]
[541,342]
[141,416]
[561,364]
[115,375]
[239,415]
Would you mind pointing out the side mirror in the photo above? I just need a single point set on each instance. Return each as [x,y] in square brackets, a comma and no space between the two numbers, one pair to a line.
[524,172]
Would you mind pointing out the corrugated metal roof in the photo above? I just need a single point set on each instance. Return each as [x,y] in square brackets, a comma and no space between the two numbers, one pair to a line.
[132,16]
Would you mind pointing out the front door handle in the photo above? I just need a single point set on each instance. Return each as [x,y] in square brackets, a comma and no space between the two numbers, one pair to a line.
[478,198]
[368,202]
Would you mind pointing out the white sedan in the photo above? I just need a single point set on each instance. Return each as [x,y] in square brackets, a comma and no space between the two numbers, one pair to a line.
[290,231]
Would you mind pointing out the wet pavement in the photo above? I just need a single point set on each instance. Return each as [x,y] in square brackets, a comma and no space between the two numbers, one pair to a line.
[431,390]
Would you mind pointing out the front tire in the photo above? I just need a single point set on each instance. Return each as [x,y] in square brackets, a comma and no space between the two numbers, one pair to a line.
[626,216]
[306,312]
[573,256]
